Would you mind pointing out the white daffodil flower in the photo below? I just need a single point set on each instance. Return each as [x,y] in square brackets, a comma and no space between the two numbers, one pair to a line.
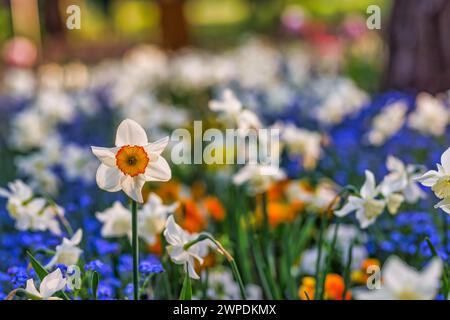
[258,177]
[402,179]
[439,181]
[387,123]
[367,207]
[152,218]
[116,221]
[431,115]
[36,216]
[402,282]
[177,239]
[132,162]
[232,112]
[51,284]
[18,194]
[303,142]
[67,253]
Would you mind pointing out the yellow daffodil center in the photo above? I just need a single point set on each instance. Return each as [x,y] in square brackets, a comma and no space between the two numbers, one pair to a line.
[132,160]
[442,187]
[373,208]
[408,295]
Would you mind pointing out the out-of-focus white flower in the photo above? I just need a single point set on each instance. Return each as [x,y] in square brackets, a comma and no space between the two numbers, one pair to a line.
[177,238]
[302,142]
[28,212]
[116,221]
[132,162]
[51,77]
[430,117]
[258,177]
[309,259]
[298,61]
[29,129]
[402,282]
[47,219]
[367,207]
[76,76]
[318,198]
[37,167]
[257,64]
[402,179]
[222,286]
[67,253]
[341,98]
[387,123]
[152,218]
[253,292]
[191,69]
[19,82]
[51,284]
[347,235]
[393,202]
[144,108]
[359,254]
[18,194]
[439,181]
[232,113]
[56,106]
[78,163]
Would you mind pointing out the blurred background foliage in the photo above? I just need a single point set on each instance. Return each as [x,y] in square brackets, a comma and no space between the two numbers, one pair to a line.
[110,27]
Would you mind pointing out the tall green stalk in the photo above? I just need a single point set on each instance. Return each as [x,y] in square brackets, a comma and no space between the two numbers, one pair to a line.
[135,249]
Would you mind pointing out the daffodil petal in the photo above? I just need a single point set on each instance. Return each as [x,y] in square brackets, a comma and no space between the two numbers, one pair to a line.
[130,133]
[445,161]
[132,186]
[108,178]
[157,147]
[106,155]
[158,170]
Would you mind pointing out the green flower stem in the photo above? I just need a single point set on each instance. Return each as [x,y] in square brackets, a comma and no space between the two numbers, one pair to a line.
[347,271]
[226,254]
[317,292]
[135,249]
[329,259]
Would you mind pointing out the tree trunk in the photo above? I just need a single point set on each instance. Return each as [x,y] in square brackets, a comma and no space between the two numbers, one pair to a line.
[419,46]
[173,24]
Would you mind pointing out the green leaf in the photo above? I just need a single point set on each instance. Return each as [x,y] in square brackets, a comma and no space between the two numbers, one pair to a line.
[37,266]
[94,284]
[186,291]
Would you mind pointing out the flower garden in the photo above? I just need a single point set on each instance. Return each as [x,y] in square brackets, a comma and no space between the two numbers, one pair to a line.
[94,206]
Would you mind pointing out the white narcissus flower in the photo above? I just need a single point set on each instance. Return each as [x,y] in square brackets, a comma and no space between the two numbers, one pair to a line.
[116,221]
[132,162]
[367,207]
[402,179]
[177,239]
[152,218]
[52,283]
[18,194]
[67,253]
[439,181]
[258,177]
[303,142]
[232,112]
[30,213]
[387,123]
[402,282]
[431,115]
